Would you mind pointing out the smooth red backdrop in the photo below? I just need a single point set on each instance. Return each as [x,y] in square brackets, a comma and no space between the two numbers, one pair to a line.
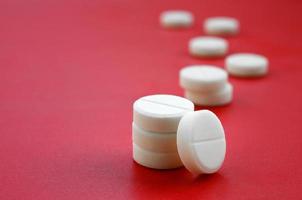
[70,71]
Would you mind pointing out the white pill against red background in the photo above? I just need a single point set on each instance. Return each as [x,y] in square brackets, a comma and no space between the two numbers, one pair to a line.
[221,26]
[206,46]
[160,113]
[216,98]
[156,160]
[176,19]
[153,141]
[202,78]
[201,142]
[247,64]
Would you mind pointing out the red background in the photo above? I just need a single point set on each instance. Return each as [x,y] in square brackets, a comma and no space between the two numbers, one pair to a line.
[70,71]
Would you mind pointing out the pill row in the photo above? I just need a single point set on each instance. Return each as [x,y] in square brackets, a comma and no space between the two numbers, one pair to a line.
[239,64]
[166,131]
[211,26]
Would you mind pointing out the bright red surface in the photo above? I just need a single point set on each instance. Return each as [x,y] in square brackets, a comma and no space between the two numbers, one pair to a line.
[70,71]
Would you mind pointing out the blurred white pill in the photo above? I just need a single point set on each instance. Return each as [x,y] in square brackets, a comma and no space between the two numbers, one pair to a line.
[221,26]
[206,46]
[202,78]
[247,65]
[217,98]
[156,160]
[176,19]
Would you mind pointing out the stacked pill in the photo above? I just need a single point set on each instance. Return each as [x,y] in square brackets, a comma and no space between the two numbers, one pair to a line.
[206,85]
[154,127]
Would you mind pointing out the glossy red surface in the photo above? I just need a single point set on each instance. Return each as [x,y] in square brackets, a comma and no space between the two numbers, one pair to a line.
[70,71]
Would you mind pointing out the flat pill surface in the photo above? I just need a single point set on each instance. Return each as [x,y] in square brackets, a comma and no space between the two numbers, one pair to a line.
[160,113]
[221,26]
[176,19]
[202,78]
[247,64]
[201,142]
[208,46]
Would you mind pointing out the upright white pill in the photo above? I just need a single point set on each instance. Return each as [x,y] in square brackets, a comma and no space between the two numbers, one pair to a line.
[176,19]
[221,26]
[202,78]
[156,160]
[206,46]
[247,65]
[215,98]
[160,113]
[153,141]
[201,142]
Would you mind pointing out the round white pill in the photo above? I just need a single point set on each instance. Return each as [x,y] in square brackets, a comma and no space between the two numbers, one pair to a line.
[205,46]
[176,19]
[202,78]
[156,160]
[221,26]
[201,142]
[160,113]
[216,98]
[153,141]
[247,64]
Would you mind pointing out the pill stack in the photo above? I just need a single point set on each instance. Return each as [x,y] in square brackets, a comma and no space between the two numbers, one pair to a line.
[167,134]
[154,127]
[206,85]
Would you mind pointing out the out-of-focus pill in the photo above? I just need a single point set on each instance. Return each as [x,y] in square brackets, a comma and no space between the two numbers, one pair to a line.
[202,78]
[176,19]
[206,46]
[217,98]
[221,26]
[247,65]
